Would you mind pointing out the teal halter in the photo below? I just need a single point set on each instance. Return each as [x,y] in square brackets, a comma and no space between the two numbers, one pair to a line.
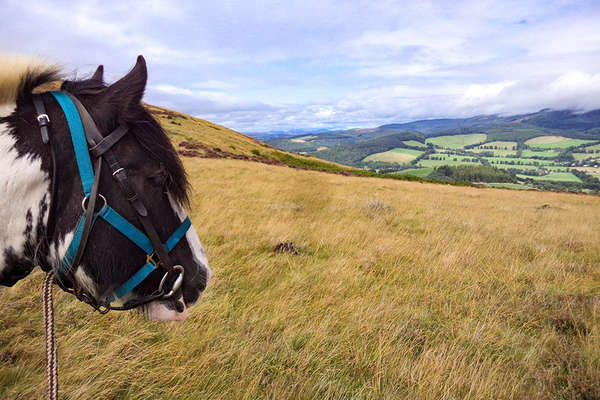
[89,183]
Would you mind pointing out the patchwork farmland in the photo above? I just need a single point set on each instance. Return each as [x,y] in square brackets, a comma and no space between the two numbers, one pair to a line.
[544,158]
[547,150]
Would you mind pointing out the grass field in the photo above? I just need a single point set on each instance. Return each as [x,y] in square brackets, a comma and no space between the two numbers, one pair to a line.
[414,143]
[555,176]
[496,152]
[402,291]
[544,154]
[595,147]
[555,142]
[398,155]
[590,170]
[421,172]
[585,156]
[457,141]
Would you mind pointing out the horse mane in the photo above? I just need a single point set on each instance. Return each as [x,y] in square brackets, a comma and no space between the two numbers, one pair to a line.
[19,75]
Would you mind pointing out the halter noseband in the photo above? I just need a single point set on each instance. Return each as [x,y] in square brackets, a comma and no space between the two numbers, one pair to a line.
[84,133]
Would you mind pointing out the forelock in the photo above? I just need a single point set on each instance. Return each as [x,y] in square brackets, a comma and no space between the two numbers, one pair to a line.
[20,75]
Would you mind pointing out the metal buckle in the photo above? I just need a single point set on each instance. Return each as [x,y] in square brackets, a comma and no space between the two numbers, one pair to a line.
[176,284]
[43,119]
[150,258]
[119,170]
[83,205]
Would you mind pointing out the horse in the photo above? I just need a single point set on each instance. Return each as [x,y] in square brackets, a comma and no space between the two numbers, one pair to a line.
[45,207]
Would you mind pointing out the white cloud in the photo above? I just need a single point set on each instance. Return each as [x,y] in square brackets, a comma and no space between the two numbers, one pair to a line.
[477,94]
[322,63]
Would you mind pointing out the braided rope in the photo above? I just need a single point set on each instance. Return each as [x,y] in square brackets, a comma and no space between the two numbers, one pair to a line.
[51,360]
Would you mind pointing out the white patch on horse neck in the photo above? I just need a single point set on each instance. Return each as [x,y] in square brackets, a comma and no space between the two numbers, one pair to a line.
[85,281]
[7,109]
[82,278]
[192,237]
[62,247]
[23,186]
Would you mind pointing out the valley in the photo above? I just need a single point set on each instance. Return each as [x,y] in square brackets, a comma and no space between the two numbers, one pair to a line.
[549,150]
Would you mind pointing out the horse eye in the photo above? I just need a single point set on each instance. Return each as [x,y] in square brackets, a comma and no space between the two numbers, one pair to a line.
[159,179]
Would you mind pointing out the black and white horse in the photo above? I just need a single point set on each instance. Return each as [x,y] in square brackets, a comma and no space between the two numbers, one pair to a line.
[146,153]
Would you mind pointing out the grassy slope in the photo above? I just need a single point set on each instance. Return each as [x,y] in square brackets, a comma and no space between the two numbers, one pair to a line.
[181,127]
[403,290]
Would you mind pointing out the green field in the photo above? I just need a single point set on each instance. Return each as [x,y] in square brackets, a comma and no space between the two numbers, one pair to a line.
[594,147]
[457,141]
[397,155]
[420,172]
[496,152]
[595,172]
[555,142]
[544,154]
[555,176]
[584,156]
[414,143]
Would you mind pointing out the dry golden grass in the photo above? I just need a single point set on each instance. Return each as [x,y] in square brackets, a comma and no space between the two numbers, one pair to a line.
[182,127]
[402,290]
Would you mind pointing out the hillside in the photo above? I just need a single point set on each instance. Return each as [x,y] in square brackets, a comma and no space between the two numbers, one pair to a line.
[400,290]
[196,137]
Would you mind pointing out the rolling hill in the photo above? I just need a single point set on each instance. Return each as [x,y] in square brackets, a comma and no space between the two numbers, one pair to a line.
[548,146]
[195,137]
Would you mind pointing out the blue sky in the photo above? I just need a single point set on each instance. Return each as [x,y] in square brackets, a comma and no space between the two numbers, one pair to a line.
[280,65]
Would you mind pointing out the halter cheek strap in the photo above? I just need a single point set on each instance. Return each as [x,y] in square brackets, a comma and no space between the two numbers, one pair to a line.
[82,134]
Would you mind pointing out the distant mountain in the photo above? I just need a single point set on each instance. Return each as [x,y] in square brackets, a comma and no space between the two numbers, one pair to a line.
[428,126]
[515,128]
[560,119]
[550,119]
[270,135]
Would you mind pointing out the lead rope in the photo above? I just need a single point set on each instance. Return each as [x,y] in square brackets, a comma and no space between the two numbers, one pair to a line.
[51,360]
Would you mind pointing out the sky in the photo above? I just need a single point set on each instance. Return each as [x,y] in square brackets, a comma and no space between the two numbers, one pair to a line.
[257,66]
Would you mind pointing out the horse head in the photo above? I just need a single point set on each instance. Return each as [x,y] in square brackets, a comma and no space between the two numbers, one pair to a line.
[42,195]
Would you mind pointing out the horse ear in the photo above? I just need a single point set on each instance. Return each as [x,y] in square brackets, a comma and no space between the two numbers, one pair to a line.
[99,74]
[127,92]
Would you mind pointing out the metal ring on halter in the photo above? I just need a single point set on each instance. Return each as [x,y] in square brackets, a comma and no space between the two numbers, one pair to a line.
[176,284]
[83,206]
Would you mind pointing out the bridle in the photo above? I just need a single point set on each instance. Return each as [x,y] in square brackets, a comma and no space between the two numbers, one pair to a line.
[88,141]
